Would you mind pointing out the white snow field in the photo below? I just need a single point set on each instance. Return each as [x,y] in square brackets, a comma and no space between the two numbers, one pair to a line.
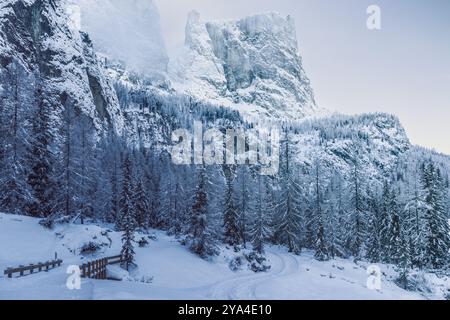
[178,274]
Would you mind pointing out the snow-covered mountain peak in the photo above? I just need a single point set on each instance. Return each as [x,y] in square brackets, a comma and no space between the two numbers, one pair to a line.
[251,64]
[127,31]
[271,23]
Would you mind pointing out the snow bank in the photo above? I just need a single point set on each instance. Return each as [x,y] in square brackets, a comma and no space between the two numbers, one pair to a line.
[168,270]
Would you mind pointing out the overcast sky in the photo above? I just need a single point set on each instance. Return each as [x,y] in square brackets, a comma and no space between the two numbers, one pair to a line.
[403,69]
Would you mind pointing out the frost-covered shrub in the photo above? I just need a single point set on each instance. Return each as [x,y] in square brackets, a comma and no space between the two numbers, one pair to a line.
[236,263]
[257,262]
[89,248]
[50,223]
[416,282]
[143,242]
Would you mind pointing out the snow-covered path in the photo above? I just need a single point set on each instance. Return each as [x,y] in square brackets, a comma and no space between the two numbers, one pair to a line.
[246,287]
[177,274]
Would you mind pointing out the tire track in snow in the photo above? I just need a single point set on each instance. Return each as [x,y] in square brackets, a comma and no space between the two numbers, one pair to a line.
[245,287]
[248,290]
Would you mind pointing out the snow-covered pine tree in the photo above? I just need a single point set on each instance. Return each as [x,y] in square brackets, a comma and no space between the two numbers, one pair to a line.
[112,152]
[155,204]
[69,198]
[15,128]
[41,175]
[396,243]
[260,230]
[437,242]
[415,224]
[127,214]
[336,215]
[102,188]
[288,210]
[84,149]
[373,253]
[181,201]
[167,193]
[245,201]
[356,230]
[232,231]
[140,204]
[385,224]
[321,242]
[199,238]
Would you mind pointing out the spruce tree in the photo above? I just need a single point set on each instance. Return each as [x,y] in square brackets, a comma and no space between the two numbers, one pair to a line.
[385,222]
[232,232]
[141,204]
[127,215]
[373,253]
[437,243]
[260,230]
[357,231]
[199,237]
[396,240]
[41,175]
[321,244]
[288,210]
[415,210]
[15,192]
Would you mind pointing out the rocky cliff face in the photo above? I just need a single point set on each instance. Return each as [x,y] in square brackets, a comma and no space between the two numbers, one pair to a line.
[35,35]
[251,64]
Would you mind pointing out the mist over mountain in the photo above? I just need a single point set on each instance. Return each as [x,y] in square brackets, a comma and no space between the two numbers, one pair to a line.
[127,31]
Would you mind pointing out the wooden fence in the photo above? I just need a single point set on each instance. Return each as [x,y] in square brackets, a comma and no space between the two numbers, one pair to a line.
[30,269]
[97,269]
[93,270]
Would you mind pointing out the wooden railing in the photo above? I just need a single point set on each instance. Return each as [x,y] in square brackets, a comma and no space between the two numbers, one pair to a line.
[93,270]
[97,269]
[39,267]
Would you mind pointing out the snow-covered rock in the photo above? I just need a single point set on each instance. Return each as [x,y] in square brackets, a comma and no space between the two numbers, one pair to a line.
[128,31]
[252,64]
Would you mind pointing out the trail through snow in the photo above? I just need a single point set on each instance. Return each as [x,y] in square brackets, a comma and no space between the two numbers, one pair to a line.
[245,287]
[177,274]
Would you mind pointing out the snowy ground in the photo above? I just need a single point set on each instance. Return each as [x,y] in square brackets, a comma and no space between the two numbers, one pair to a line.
[177,274]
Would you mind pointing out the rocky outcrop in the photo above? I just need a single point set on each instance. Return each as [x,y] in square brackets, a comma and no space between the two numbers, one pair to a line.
[251,64]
